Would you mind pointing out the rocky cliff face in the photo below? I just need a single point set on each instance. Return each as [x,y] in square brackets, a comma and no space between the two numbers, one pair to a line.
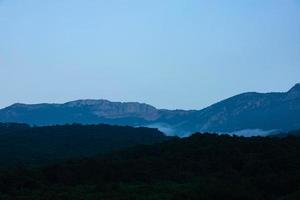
[81,111]
[107,109]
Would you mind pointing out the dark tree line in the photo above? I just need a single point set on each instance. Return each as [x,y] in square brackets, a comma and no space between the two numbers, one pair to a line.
[203,166]
[22,144]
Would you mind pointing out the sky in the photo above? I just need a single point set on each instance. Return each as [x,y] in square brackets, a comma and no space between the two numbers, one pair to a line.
[171,54]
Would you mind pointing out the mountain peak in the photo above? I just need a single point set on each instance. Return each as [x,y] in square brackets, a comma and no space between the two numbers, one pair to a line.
[294,92]
[295,89]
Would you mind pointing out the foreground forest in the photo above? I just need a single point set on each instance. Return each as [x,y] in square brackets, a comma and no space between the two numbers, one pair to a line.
[21,144]
[201,167]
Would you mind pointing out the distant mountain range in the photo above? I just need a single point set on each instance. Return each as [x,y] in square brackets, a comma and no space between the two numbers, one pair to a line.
[245,114]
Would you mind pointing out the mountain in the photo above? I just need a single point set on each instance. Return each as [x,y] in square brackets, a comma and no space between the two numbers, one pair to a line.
[81,111]
[93,112]
[22,144]
[250,111]
[245,114]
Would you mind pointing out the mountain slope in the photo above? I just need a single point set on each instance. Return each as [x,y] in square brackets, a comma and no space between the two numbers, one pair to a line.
[252,111]
[270,111]
[81,111]
[94,112]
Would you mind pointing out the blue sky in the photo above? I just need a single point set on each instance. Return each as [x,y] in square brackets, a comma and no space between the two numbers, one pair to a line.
[171,54]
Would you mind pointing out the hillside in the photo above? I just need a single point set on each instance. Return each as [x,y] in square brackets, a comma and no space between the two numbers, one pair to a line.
[286,134]
[22,144]
[207,167]
[270,111]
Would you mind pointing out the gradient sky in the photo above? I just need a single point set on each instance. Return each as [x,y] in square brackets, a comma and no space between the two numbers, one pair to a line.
[171,53]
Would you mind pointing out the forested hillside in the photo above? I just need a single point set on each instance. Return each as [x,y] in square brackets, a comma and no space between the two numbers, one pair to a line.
[24,145]
[203,166]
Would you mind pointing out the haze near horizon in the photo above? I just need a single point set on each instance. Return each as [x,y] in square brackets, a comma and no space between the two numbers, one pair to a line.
[170,54]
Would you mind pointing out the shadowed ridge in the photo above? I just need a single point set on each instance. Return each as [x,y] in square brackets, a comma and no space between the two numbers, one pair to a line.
[294,89]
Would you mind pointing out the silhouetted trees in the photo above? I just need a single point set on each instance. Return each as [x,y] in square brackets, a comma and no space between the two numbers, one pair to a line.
[203,166]
[22,144]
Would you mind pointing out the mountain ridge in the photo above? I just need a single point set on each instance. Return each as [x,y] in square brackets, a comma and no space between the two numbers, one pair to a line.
[247,111]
